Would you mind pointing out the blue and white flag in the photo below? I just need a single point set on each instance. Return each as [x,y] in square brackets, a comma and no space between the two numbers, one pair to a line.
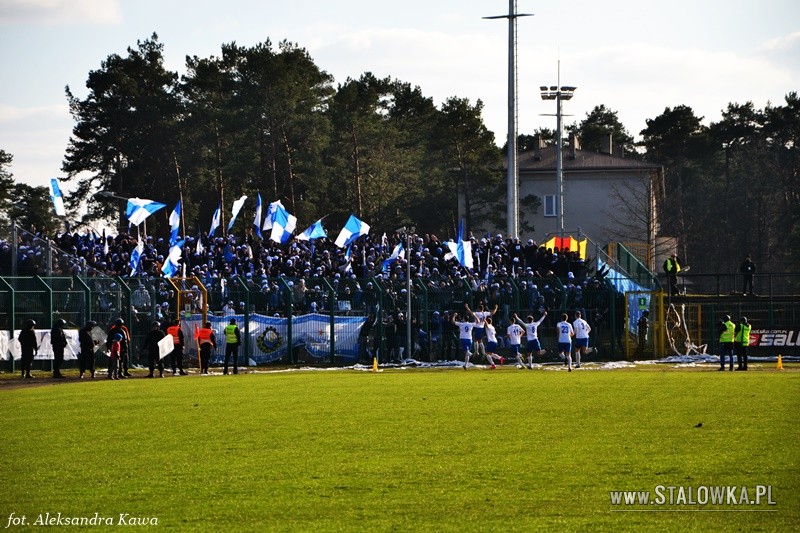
[272,208]
[283,225]
[215,221]
[237,206]
[173,260]
[397,253]
[58,200]
[139,209]
[136,256]
[460,250]
[199,249]
[352,230]
[348,257]
[257,220]
[314,231]
[175,224]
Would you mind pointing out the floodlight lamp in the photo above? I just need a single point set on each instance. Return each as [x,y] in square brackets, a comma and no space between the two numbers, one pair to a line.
[543,88]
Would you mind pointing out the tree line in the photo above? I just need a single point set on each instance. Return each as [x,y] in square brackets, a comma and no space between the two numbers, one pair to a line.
[267,118]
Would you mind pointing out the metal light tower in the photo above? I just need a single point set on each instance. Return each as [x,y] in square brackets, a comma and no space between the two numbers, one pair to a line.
[511,144]
[558,93]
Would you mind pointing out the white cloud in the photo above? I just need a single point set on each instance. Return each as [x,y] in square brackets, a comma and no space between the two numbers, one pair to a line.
[37,138]
[60,12]
[784,43]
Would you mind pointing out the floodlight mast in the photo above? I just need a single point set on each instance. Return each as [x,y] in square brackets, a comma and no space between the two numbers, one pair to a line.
[511,144]
[559,93]
[406,233]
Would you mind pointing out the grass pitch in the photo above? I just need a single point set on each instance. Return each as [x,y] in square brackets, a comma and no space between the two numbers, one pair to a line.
[413,450]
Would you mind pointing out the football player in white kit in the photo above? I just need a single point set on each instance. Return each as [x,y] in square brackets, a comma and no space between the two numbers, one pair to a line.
[491,344]
[514,332]
[565,333]
[582,329]
[532,333]
[479,331]
[464,336]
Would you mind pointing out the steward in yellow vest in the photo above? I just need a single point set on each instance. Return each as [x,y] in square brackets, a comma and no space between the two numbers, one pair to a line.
[233,339]
[726,342]
[741,342]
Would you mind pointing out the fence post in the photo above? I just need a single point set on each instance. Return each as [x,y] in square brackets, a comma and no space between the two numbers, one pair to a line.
[332,318]
[288,307]
[11,316]
[87,294]
[378,344]
[246,328]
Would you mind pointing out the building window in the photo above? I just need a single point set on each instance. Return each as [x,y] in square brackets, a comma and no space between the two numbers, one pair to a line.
[551,205]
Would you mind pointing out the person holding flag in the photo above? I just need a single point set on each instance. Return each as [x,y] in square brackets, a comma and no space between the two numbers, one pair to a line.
[151,345]
[176,357]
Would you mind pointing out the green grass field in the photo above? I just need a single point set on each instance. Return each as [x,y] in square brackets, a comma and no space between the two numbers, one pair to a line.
[405,450]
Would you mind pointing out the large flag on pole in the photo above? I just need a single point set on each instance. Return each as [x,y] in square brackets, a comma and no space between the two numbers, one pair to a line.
[58,200]
[257,220]
[460,250]
[352,230]
[136,255]
[138,209]
[175,224]
[237,206]
[314,231]
[283,225]
[172,263]
[215,221]
[397,253]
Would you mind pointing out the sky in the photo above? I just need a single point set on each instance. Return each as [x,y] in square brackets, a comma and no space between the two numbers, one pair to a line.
[636,58]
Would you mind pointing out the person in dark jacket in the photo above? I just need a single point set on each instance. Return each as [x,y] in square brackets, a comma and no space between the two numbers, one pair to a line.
[151,345]
[88,347]
[747,268]
[27,340]
[58,340]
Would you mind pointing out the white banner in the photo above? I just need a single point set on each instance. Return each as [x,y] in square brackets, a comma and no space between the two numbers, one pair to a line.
[165,346]
[45,348]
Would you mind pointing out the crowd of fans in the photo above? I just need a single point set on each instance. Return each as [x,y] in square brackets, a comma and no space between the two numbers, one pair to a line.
[260,261]
[507,273]
[223,257]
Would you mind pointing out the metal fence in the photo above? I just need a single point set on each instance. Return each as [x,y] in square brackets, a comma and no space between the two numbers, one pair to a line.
[336,306]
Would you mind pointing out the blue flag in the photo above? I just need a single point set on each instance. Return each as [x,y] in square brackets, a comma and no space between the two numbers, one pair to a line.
[460,250]
[175,224]
[397,253]
[138,209]
[257,220]
[173,261]
[215,221]
[58,200]
[283,225]
[314,231]
[136,256]
[352,230]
